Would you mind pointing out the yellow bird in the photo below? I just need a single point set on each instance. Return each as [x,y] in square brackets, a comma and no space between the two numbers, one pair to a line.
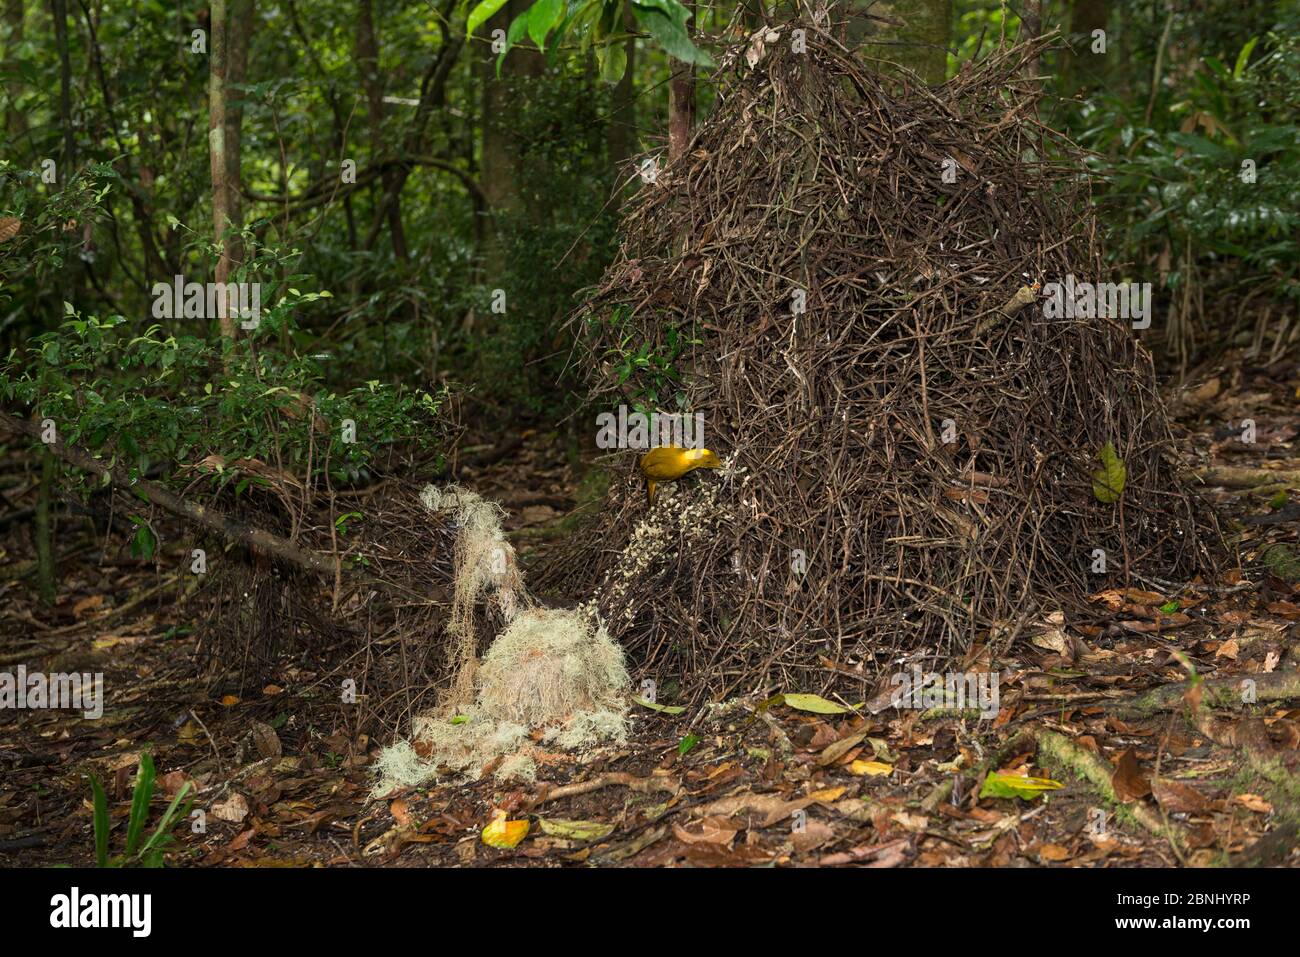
[668,463]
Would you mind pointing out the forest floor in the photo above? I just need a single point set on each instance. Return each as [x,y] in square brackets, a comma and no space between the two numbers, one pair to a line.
[1153,769]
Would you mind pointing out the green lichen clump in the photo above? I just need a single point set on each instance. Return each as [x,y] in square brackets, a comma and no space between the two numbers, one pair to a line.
[550,666]
[551,671]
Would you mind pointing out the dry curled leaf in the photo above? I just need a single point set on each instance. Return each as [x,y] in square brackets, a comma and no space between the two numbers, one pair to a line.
[1129,782]
[711,830]
[400,812]
[266,740]
[233,809]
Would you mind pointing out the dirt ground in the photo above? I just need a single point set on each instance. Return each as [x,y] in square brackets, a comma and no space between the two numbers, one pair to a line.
[1153,768]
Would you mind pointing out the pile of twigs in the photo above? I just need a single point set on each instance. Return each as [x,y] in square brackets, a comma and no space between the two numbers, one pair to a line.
[910,441]
[374,615]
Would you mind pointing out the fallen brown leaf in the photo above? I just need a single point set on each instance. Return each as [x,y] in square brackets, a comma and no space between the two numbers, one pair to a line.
[1177,797]
[233,809]
[890,854]
[1253,802]
[1128,781]
[87,605]
[399,811]
[1053,853]
[711,830]
[266,740]
[812,835]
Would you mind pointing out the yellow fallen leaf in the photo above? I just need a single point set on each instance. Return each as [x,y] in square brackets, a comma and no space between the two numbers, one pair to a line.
[827,794]
[872,768]
[111,641]
[814,703]
[502,833]
[1053,852]
[1254,803]
[1013,785]
[1108,481]
[87,606]
[575,830]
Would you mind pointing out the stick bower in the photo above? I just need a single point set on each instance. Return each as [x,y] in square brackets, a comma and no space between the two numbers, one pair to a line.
[908,440]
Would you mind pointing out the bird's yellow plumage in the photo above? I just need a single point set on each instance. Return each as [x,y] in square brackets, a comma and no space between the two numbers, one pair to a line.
[669,463]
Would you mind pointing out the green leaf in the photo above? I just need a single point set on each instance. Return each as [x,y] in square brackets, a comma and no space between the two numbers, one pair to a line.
[481,14]
[142,545]
[1108,481]
[613,62]
[575,830]
[1200,146]
[672,9]
[460,719]
[687,743]
[101,822]
[814,703]
[664,708]
[542,17]
[140,799]
[1170,607]
[1012,786]
[1243,57]
[156,840]
[671,36]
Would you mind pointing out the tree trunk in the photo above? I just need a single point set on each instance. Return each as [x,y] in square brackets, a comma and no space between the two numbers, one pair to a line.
[681,102]
[70,279]
[239,34]
[1031,29]
[15,122]
[433,95]
[621,135]
[219,162]
[367,54]
[1082,69]
[59,11]
[500,148]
